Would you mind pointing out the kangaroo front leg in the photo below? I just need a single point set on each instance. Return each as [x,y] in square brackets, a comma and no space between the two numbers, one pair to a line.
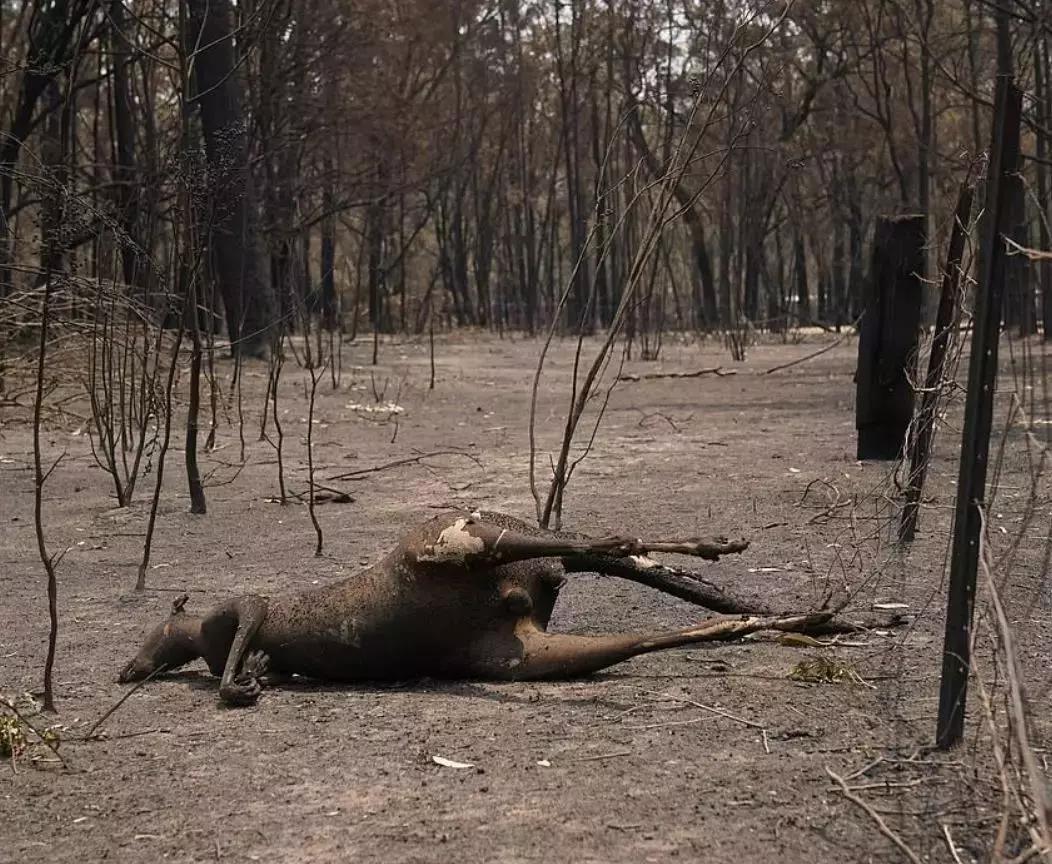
[692,587]
[710,549]
[671,580]
[240,684]
[468,541]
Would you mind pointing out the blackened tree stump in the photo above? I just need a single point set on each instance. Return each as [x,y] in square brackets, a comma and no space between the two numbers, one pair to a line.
[887,347]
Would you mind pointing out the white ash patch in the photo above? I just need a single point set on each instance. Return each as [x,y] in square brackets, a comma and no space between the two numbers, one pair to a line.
[455,543]
[378,408]
[643,561]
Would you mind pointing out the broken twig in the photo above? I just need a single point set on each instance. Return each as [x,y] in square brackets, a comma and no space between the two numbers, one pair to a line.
[718,371]
[91,732]
[409,460]
[874,815]
[819,352]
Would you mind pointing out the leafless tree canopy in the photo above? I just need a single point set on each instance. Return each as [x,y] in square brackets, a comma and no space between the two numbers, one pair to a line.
[393,163]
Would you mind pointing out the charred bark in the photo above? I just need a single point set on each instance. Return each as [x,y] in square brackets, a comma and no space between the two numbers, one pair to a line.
[233,227]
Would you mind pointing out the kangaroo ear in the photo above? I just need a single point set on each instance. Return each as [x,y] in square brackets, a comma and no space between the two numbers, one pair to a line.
[178,603]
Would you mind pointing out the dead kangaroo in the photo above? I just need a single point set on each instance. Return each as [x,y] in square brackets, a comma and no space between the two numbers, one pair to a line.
[462,596]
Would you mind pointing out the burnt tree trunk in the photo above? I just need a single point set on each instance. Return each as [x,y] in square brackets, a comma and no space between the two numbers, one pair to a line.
[580,315]
[1018,296]
[328,259]
[54,140]
[726,242]
[836,302]
[887,348]
[233,229]
[126,194]
[1044,115]
[856,284]
[818,251]
[374,238]
[803,296]
[52,29]
[706,312]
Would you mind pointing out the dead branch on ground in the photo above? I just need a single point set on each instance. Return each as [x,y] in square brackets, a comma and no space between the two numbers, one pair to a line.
[409,460]
[718,371]
[874,815]
[849,332]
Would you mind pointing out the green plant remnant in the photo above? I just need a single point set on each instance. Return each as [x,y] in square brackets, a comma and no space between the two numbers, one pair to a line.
[18,735]
[826,670]
[13,738]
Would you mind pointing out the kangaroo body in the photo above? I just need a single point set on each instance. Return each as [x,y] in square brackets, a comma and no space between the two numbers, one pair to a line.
[460,596]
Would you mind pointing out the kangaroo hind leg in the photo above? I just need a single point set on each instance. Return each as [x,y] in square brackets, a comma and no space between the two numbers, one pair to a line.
[534,655]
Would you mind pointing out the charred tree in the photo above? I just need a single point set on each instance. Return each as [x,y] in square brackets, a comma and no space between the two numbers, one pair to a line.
[1019,309]
[51,30]
[803,296]
[1044,117]
[706,310]
[233,227]
[327,291]
[126,194]
[580,314]
[887,348]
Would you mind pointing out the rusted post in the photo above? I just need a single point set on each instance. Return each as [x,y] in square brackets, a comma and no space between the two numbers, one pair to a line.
[978,416]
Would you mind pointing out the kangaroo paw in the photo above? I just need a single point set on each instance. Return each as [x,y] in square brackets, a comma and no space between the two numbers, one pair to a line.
[247,684]
[241,693]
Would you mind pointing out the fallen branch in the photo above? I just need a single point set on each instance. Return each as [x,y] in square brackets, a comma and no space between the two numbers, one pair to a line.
[91,732]
[874,815]
[719,371]
[409,460]
[719,712]
[615,755]
[325,495]
[709,550]
[1017,707]
[949,842]
[819,352]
